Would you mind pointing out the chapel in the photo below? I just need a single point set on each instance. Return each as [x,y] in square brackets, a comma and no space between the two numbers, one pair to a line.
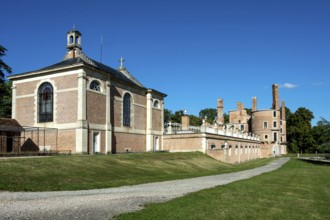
[93,107]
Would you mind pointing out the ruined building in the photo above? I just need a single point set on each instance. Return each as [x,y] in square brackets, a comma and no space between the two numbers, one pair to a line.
[247,136]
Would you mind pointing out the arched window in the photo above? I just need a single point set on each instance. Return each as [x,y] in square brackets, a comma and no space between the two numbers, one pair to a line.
[127,110]
[77,40]
[156,104]
[95,85]
[71,39]
[45,103]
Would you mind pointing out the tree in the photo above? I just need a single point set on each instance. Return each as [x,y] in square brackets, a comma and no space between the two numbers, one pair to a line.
[3,66]
[210,113]
[5,87]
[299,131]
[5,99]
[321,135]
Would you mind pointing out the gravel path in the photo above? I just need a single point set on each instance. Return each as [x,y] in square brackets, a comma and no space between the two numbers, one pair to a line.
[105,203]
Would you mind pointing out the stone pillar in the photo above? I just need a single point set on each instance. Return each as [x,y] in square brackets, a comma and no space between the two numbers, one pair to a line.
[13,104]
[81,125]
[254,104]
[149,135]
[185,122]
[276,101]
[108,132]
[220,112]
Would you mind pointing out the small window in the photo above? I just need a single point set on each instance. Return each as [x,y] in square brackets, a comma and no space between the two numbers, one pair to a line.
[71,39]
[127,110]
[274,114]
[156,104]
[274,124]
[266,136]
[265,124]
[242,127]
[95,85]
[77,40]
[275,136]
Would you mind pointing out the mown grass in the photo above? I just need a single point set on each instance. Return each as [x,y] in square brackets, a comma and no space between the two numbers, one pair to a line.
[102,171]
[298,190]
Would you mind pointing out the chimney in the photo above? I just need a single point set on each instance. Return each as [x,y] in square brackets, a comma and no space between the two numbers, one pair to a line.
[220,112]
[283,111]
[240,106]
[276,101]
[185,122]
[254,103]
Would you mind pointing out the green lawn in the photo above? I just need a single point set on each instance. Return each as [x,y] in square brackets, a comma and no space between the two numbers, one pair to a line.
[102,171]
[298,190]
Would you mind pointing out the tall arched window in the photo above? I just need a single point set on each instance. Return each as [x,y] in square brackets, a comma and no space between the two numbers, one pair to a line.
[45,103]
[127,110]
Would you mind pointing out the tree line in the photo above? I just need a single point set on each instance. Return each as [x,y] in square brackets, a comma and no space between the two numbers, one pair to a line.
[301,135]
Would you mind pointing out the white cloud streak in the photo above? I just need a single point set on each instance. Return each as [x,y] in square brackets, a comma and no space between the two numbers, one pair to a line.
[288,86]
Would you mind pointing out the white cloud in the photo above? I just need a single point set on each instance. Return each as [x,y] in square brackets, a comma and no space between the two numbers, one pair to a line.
[288,86]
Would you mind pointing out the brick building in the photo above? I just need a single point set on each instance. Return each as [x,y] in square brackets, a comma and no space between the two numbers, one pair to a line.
[95,108]
[247,136]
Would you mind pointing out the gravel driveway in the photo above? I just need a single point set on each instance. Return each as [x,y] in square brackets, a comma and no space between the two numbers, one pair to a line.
[105,203]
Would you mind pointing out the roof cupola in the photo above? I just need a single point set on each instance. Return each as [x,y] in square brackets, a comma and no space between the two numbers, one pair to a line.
[73,44]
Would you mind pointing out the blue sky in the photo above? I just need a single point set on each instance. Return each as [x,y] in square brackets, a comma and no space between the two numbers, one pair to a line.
[196,51]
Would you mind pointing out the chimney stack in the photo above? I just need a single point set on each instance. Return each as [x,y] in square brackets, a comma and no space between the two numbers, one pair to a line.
[276,101]
[220,112]
[254,103]
[283,116]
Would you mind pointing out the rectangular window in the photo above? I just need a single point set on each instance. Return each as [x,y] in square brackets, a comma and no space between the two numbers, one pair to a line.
[266,136]
[274,124]
[275,136]
[274,114]
[265,124]
[242,127]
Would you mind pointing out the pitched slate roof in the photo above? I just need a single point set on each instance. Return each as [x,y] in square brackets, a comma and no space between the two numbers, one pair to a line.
[83,59]
[7,124]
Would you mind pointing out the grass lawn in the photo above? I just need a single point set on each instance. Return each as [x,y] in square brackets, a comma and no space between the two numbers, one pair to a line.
[298,190]
[102,171]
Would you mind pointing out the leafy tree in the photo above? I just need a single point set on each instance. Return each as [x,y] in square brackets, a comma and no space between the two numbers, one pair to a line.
[226,118]
[5,99]
[5,87]
[248,111]
[195,121]
[167,115]
[321,135]
[3,66]
[299,131]
[210,113]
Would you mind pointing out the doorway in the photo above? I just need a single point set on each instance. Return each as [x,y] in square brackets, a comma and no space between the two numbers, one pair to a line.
[96,142]
[9,142]
[156,143]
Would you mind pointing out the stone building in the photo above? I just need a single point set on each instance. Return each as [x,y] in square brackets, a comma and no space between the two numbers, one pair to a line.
[270,125]
[247,136]
[10,135]
[95,108]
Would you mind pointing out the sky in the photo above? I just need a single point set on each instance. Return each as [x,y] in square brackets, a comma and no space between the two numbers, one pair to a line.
[195,51]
